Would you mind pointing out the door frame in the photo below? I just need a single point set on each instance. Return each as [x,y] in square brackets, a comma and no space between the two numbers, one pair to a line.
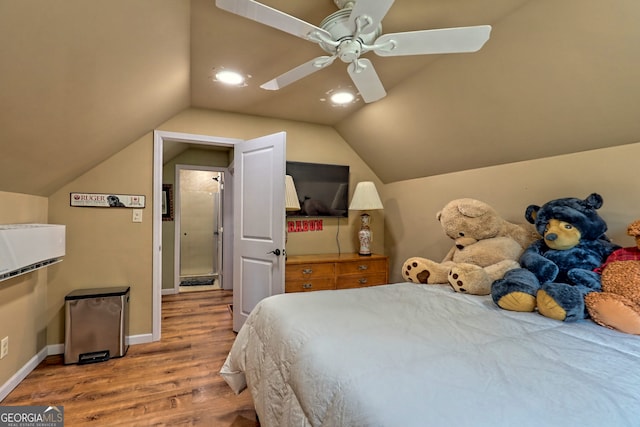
[224,284]
[159,139]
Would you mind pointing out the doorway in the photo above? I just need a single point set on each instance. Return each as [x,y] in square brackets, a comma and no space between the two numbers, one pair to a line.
[199,231]
[165,145]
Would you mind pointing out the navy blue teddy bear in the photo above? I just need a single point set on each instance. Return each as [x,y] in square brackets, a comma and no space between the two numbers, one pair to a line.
[557,270]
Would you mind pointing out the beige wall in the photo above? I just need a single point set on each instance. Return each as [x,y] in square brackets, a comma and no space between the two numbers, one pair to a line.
[411,206]
[23,299]
[104,247]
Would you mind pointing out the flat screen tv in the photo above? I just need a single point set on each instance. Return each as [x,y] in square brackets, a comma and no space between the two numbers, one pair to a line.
[323,190]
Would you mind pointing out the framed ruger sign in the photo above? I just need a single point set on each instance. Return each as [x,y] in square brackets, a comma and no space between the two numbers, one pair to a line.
[95,200]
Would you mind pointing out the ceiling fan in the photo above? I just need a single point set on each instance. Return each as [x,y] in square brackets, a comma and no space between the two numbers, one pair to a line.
[352,31]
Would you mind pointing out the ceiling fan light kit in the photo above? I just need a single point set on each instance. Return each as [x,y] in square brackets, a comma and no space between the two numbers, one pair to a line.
[352,31]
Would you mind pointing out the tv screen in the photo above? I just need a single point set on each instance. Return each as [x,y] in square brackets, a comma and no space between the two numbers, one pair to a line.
[323,190]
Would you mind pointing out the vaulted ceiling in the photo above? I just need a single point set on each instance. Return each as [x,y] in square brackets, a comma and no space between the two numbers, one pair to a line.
[80,80]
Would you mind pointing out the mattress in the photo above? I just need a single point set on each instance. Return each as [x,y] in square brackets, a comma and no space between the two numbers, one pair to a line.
[422,355]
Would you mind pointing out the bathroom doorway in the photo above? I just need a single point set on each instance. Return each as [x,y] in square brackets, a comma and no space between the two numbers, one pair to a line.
[199,231]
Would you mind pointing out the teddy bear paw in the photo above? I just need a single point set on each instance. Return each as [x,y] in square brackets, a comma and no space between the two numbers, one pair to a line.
[549,307]
[562,301]
[516,291]
[422,270]
[517,301]
[469,279]
[614,312]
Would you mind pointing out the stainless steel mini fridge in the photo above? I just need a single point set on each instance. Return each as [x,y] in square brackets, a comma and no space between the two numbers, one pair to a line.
[96,324]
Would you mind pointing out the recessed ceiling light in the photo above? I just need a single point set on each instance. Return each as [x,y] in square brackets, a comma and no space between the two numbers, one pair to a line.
[342,98]
[231,78]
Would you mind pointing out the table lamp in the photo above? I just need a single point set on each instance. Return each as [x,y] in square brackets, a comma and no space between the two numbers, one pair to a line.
[365,198]
[291,202]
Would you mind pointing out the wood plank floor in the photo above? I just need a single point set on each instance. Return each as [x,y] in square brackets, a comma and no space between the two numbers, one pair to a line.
[173,382]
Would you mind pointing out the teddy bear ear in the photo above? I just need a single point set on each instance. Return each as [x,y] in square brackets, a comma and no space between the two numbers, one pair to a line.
[472,208]
[594,201]
[532,213]
[634,229]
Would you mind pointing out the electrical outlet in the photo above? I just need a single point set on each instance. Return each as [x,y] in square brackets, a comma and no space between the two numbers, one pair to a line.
[4,347]
[137,215]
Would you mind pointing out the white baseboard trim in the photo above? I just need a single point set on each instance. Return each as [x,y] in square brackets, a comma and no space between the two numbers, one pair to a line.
[22,373]
[55,349]
[50,350]
[139,339]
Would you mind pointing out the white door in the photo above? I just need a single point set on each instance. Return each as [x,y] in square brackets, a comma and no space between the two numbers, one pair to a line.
[258,189]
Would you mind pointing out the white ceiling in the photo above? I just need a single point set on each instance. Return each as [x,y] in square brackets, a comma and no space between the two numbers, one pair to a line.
[80,80]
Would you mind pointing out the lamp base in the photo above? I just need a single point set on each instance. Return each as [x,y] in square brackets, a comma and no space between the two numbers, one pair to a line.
[365,236]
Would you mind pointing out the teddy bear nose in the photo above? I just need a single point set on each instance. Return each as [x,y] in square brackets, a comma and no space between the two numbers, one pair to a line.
[551,237]
[460,247]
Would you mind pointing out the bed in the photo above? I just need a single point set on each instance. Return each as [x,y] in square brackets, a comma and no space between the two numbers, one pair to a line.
[422,355]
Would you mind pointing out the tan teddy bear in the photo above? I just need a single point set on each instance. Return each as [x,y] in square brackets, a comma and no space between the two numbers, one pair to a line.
[486,246]
[618,305]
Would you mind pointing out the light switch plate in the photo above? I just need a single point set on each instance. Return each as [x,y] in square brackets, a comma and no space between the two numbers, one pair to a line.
[137,215]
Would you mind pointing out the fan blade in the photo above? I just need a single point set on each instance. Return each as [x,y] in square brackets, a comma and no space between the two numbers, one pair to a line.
[301,71]
[446,40]
[375,10]
[269,16]
[366,79]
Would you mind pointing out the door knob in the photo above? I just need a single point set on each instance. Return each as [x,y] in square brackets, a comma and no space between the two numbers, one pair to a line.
[276,252]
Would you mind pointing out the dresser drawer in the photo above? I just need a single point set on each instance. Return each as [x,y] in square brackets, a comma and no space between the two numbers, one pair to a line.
[334,271]
[319,284]
[364,266]
[360,280]
[309,271]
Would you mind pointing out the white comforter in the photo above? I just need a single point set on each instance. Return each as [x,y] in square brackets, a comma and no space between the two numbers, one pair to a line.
[422,355]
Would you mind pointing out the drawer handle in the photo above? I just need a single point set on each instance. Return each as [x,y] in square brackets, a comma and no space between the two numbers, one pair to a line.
[363,267]
[307,271]
[307,286]
[362,281]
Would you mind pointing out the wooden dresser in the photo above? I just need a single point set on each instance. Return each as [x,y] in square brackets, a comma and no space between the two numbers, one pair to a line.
[333,271]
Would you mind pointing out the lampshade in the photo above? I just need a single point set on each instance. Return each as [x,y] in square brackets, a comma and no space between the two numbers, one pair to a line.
[291,202]
[365,198]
